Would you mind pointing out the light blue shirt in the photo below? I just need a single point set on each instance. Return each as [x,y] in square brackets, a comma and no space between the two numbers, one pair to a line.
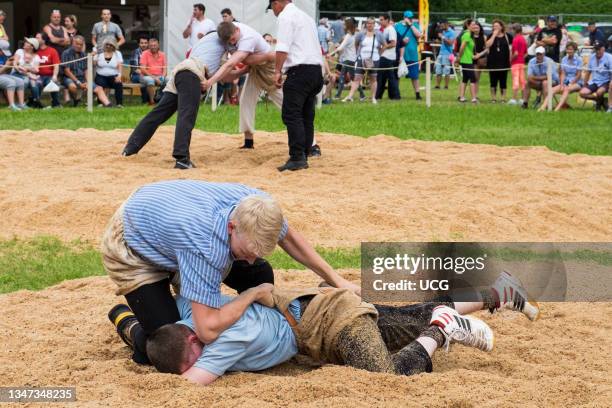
[323,34]
[337,30]
[411,53]
[447,49]
[181,225]
[260,339]
[209,50]
[539,69]
[601,69]
[571,67]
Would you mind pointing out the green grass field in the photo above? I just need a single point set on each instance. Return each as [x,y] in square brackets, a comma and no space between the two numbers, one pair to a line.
[44,261]
[580,130]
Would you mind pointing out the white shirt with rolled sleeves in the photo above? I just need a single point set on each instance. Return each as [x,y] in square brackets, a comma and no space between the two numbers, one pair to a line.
[297,36]
[250,40]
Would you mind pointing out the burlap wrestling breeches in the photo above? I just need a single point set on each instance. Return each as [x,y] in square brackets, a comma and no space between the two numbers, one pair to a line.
[260,78]
[126,268]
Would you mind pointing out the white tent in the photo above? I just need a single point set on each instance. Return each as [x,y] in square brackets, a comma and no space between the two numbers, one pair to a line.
[177,13]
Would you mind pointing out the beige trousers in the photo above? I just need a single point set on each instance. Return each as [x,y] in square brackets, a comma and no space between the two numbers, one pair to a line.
[248,102]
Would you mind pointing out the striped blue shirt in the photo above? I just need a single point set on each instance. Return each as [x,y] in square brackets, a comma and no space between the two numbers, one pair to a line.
[181,225]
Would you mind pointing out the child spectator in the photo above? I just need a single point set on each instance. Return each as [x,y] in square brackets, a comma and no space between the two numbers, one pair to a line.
[519,49]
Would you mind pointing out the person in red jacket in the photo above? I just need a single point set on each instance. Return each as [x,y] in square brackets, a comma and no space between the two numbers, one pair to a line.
[48,69]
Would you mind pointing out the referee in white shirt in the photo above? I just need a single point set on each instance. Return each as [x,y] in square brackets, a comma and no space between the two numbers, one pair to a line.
[298,54]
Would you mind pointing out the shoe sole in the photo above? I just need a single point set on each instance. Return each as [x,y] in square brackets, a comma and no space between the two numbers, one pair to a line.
[441,326]
[532,302]
[537,306]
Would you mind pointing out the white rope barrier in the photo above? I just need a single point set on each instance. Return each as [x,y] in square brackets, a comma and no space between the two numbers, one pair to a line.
[427,82]
[375,69]
[549,70]
[90,83]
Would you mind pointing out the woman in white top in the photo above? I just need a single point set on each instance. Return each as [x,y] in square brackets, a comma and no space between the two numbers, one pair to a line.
[108,73]
[368,46]
[26,66]
[348,57]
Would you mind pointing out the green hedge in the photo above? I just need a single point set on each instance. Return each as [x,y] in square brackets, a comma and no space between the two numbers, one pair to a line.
[542,7]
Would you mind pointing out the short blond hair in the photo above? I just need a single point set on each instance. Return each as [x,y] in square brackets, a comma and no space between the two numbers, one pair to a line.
[260,219]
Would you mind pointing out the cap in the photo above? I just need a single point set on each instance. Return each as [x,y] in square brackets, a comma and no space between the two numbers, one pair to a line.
[540,50]
[551,18]
[5,48]
[598,44]
[32,41]
[408,14]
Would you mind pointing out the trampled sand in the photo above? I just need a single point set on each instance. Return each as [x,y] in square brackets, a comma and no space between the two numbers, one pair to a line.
[68,184]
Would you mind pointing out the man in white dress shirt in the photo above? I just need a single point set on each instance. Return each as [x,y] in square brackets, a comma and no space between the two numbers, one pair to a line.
[198,25]
[244,42]
[298,55]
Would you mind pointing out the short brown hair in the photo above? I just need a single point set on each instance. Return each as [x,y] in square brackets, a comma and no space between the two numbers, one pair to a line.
[167,348]
[572,44]
[225,30]
[501,23]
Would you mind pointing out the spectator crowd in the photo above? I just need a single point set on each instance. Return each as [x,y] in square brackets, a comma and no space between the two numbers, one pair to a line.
[384,51]
[375,57]
[54,61]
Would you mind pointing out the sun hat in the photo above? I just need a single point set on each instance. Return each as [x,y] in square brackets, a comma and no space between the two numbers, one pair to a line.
[33,41]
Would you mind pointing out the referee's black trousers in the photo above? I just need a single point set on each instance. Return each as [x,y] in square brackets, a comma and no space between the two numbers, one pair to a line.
[300,90]
[186,102]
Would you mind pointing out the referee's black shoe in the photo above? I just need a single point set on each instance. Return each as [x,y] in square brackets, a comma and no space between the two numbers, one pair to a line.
[184,164]
[315,151]
[294,165]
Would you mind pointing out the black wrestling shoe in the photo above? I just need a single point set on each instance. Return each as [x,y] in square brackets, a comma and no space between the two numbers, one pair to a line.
[122,317]
[127,152]
[184,164]
[315,151]
[294,165]
[248,144]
